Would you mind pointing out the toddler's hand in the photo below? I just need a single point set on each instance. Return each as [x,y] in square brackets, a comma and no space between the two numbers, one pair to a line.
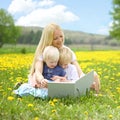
[44,83]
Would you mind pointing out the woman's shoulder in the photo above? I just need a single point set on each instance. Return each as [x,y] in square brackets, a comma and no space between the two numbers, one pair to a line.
[64,46]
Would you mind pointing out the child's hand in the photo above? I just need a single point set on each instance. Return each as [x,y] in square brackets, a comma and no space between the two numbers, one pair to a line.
[60,79]
[37,85]
[42,84]
[63,79]
[54,78]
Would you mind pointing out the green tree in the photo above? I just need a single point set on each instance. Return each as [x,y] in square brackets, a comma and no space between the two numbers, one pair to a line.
[9,33]
[115,29]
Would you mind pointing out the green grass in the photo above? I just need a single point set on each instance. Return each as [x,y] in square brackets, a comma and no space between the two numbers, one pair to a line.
[17,49]
[105,106]
[21,48]
[102,107]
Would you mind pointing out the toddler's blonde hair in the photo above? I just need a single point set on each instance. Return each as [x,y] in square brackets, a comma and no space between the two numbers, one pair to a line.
[50,52]
[65,55]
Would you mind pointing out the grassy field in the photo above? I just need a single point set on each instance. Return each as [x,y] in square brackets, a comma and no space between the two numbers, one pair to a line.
[21,48]
[106,106]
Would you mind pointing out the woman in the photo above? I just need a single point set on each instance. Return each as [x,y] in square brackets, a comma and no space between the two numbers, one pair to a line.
[53,35]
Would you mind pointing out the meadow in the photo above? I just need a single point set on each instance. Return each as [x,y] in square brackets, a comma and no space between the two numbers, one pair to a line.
[15,67]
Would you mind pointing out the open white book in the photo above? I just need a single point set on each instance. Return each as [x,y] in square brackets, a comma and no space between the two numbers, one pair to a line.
[73,88]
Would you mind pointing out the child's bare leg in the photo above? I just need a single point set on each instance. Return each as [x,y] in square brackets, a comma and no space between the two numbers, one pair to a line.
[96,83]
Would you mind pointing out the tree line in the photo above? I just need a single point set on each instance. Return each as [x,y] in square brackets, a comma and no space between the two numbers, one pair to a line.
[30,37]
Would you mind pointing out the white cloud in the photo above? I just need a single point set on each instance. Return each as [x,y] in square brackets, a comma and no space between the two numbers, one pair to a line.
[26,6]
[41,17]
[40,12]
[18,6]
[44,3]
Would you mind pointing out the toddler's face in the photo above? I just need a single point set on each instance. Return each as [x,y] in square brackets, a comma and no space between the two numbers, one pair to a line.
[51,63]
[64,65]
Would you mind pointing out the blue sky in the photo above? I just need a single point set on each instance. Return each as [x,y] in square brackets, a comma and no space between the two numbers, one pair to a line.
[91,16]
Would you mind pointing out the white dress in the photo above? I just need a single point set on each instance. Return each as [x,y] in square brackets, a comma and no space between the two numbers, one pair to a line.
[71,72]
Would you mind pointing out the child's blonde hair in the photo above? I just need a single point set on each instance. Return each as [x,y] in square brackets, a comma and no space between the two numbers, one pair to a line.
[65,55]
[50,52]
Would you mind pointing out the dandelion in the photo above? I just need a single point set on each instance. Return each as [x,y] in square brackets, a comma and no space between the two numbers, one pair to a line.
[51,103]
[19,99]
[36,118]
[107,90]
[118,89]
[10,98]
[30,105]
[118,107]
[9,89]
[110,116]
[112,95]
[53,111]
[118,74]
[86,113]
[100,95]
[106,77]
[55,100]
[19,79]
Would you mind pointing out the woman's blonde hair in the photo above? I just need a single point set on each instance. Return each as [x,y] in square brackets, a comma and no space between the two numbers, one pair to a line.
[46,40]
[65,55]
[50,53]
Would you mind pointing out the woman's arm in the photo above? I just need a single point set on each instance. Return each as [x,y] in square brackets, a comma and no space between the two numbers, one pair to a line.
[38,74]
[38,71]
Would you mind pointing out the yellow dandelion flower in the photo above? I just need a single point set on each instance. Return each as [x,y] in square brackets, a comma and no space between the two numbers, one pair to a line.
[112,95]
[30,105]
[118,89]
[51,103]
[53,111]
[110,116]
[9,89]
[19,99]
[10,98]
[36,118]
[118,107]
[118,74]
[106,77]
[86,113]
[107,90]
[100,95]
[55,100]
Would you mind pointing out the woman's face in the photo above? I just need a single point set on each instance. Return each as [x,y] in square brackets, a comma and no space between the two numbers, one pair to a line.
[57,39]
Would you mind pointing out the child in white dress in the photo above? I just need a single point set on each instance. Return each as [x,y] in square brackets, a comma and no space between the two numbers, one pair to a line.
[65,63]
